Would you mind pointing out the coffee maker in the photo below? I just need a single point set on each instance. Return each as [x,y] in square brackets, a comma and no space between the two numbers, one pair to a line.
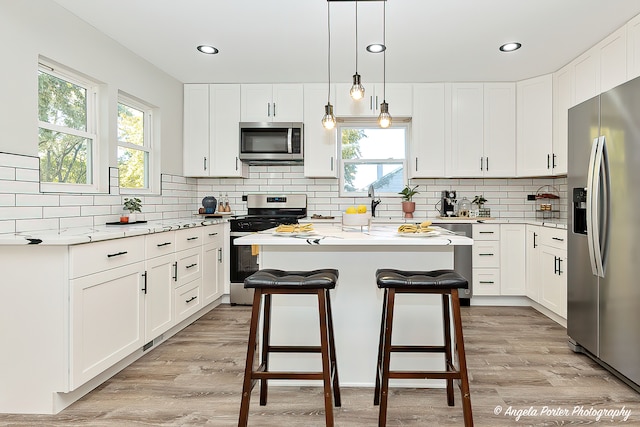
[448,203]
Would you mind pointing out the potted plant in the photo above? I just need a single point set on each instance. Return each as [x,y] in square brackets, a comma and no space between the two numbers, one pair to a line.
[131,206]
[408,205]
[480,201]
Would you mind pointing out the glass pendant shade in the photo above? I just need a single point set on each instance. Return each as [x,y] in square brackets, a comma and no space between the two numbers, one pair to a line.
[357,90]
[328,120]
[384,119]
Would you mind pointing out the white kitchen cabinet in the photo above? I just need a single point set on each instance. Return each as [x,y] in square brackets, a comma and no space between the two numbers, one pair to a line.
[107,313]
[512,259]
[483,130]
[486,281]
[535,126]
[272,103]
[398,95]
[562,101]
[211,131]
[586,75]
[633,48]
[213,263]
[160,268]
[486,259]
[430,130]
[553,280]
[320,145]
[532,284]
[612,53]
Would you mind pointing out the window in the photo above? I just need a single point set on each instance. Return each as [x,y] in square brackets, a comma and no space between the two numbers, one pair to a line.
[66,130]
[372,156]
[134,144]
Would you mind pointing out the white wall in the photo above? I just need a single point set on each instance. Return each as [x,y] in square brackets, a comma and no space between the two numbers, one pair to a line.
[41,27]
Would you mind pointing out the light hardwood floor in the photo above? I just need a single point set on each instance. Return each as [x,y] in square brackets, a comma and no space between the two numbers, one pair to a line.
[517,359]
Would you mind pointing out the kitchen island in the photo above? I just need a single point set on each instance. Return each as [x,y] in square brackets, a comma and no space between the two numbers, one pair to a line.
[356,302]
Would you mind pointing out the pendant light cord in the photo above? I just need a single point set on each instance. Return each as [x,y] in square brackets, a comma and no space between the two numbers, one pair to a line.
[356,36]
[384,54]
[329,51]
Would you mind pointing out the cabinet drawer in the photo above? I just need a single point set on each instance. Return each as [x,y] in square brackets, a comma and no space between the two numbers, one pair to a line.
[189,265]
[189,238]
[89,258]
[554,237]
[486,254]
[213,234]
[158,244]
[486,281]
[187,300]
[486,232]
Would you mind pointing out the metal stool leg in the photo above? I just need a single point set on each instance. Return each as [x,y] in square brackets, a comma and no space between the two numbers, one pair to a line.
[247,384]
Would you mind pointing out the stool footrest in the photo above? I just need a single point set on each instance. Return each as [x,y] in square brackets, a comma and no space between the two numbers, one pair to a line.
[294,349]
[432,375]
[287,375]
[418,348]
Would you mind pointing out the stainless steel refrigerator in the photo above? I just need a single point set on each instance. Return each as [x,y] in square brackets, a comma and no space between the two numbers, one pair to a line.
[604,230]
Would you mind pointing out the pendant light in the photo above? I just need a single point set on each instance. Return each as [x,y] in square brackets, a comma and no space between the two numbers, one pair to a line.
[384,119]
[357,90]
[329,120]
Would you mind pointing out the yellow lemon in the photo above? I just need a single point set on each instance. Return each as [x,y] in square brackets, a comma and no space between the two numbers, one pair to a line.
[362,209]
[351,210]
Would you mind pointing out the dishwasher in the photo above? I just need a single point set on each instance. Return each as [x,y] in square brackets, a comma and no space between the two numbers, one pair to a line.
[462,258]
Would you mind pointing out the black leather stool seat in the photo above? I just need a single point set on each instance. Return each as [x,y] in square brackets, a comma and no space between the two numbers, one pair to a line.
[315,279]
[436,279]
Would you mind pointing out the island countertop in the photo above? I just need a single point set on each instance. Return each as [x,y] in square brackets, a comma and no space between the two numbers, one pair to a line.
[336,235]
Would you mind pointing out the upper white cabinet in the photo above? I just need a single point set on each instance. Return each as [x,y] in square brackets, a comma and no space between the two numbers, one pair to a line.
[272,103]
[211,133]
[586,76]
[430,130]
[613,60]
[320,144]
[483,130]
[398,96]
[562,101]
[535,126]
[633,48]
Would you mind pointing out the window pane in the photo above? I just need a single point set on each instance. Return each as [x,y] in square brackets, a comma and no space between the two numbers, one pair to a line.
[385,177]
[61,103]
[371,143]
[133,165]
[130,125]
[64,158]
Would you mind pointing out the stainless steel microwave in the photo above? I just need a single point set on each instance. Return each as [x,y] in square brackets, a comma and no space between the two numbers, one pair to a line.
[271,142]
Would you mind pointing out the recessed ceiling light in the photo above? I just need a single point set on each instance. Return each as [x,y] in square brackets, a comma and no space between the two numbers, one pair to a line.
[376,48]
[209,50]
[510,47]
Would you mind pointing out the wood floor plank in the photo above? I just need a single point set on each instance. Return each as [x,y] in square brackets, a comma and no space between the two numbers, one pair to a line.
[518,359]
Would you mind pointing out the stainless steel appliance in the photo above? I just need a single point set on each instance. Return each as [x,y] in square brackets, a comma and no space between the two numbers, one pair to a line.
[267,142]
[604,234]
[462,258]
[264,211]
[448,203]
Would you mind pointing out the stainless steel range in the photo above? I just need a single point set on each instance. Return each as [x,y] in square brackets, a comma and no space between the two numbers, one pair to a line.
[264,211]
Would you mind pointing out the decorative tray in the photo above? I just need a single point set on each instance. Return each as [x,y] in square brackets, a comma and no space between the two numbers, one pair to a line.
[126,223]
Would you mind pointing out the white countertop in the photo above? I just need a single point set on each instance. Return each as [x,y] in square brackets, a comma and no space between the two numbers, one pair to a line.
[335,235]
[556,223]
[72,236]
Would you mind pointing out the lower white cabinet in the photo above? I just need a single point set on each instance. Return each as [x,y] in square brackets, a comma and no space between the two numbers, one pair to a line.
[158,300]
[107,312]
[213,264]
[512,259]
[188,299]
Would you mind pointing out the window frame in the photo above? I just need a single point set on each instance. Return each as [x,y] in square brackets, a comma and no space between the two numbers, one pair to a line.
[91,132]
[149,144]
[373,124]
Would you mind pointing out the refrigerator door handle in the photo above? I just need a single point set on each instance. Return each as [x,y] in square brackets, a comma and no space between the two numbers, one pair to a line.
[596,203]
[590,200]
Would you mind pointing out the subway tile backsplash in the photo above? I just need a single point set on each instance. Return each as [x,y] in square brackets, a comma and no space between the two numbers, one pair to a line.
[23,208]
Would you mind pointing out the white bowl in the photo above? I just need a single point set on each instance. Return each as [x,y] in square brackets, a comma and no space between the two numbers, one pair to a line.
[357,219]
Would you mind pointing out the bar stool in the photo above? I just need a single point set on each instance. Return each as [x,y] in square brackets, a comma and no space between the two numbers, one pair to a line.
[444,282]
[266,283]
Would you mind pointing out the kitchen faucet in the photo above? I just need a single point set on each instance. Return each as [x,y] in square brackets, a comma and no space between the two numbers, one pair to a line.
[374,202]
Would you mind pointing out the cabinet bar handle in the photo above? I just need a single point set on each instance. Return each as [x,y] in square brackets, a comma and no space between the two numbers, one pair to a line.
[548,161]
[558,239]
[481,163]
[485,254]
[559,266]
[486,232]
[145,282]
[555,265]
[191,299]
[331,162]
[236,163]
[175,271]
[487,168]
[116,254]
[213,234]
[553,163]
[534,240]
[268,109]
[205,163]
[416,164]
[191,265]
[163,244]
[192,238]
[274,109]
[219,254]
[487,281]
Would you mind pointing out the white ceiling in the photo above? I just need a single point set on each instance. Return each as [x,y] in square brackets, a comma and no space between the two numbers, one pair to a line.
[286,40]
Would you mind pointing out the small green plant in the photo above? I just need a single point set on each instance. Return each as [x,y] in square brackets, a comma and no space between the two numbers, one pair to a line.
[133,204]
[408,193]
[479,200]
